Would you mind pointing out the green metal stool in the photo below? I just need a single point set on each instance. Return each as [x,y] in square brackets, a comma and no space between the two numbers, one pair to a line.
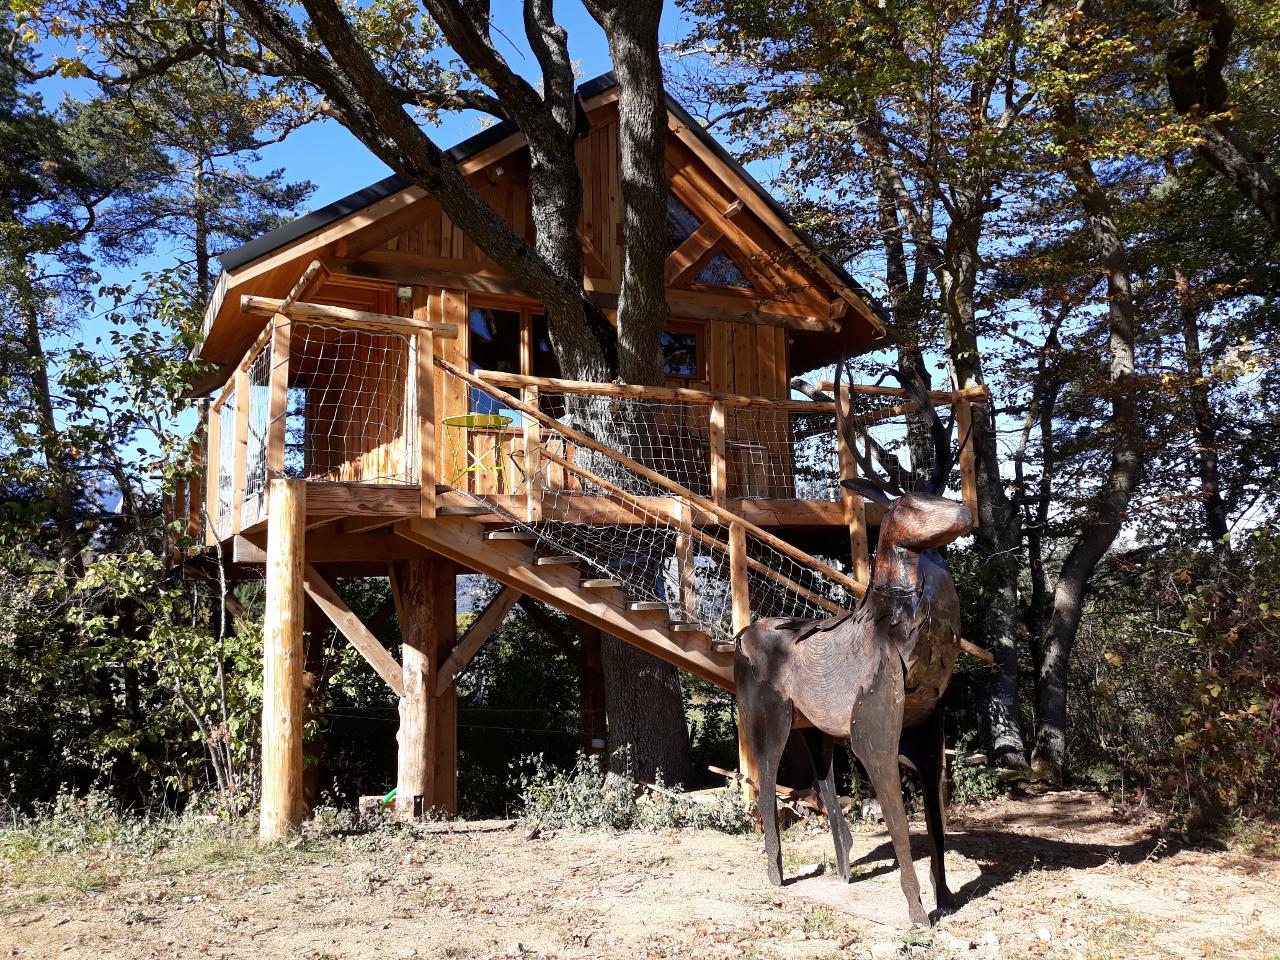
[463,460]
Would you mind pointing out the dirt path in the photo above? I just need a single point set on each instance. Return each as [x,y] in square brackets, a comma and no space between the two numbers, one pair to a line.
[1055,876]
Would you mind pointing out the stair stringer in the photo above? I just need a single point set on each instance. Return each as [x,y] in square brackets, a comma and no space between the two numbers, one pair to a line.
[511,563]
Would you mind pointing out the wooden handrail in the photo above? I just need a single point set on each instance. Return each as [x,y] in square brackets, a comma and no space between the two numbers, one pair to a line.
[635,391]
[978,393]
[725,516]
[342,316]
[680,508]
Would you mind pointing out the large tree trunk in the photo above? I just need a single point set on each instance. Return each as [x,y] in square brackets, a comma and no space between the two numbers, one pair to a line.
[643,699]
[1110,506]
[999,535]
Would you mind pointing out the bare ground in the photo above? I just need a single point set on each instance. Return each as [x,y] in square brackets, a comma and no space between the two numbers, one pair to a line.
[1059,876]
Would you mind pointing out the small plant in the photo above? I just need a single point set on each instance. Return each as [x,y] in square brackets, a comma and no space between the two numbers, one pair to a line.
[586,797]
[971,782]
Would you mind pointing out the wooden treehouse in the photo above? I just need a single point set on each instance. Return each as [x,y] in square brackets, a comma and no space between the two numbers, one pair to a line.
[387,403]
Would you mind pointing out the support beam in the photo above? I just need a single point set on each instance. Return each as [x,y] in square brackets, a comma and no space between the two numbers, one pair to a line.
[268,306]
[349,625]
[282,804]
[477,634]
[426,769]
[591,711]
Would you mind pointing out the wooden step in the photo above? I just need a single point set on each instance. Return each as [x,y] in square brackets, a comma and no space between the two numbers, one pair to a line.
[639,606]
[685,626]
[599,583]
[558,561]
[509,535]
[463,510]
[723,646]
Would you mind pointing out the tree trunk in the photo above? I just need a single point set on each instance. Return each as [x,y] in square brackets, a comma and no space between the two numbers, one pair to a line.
[1206,433]
[643,699]
[1111,505]
[999,535]
[1194,64]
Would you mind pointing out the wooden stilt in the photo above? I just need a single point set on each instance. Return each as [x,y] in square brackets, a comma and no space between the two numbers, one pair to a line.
[426,769]
[282,804]
[592,727]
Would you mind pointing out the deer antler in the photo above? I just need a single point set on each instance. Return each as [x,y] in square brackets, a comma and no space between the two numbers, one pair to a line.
[869,483]
[943,458]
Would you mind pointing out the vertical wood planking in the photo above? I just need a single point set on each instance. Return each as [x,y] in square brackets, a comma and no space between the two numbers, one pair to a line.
[213,467]
[240,451]
[195,487]
[278,395]
[282,655]
[425,405]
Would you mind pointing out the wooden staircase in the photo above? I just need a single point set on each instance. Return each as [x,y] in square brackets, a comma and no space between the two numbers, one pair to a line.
[508,557]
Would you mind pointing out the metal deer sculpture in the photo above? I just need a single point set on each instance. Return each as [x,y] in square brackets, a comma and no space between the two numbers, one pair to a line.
[874,675]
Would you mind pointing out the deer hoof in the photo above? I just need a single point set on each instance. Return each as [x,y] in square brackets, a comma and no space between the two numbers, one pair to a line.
[918,914]
[947,902]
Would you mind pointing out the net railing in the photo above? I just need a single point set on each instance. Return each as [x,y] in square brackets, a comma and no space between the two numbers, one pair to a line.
[350,405]
[259,382]
[658,541]
[226,415]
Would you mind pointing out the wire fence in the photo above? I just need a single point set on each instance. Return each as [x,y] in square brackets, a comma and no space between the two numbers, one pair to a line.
[259,381]
[618,525]
[350,405]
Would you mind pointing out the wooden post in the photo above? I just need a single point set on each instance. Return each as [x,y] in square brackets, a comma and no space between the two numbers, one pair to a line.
[282,804]
[686,570]
[426,769]
[426,410]
[278,395]
[195,486]
[968,463]
[740,592]
[591,710]
[719,476]
[532,459]
[855,508]
[240,451]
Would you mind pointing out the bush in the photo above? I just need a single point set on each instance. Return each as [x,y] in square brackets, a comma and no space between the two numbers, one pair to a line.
[585,797]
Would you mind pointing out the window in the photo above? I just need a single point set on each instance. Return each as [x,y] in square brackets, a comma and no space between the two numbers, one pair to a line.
[683,358]
[495,345]
[720,271]
[680,223]
[545,364]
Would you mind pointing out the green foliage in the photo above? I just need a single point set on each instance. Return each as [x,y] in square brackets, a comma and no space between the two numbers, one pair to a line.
[971,782]
[586,797]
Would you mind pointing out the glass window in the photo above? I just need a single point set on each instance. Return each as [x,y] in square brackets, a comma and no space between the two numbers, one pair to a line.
[680,223]
[680,354]
[495,345]
[545,364]
[720,271]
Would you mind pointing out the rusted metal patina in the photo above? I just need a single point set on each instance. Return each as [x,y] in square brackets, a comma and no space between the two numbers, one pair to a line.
[874,675]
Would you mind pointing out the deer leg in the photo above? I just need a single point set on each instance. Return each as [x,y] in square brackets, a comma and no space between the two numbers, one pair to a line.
[826,784]
[923,747]
[874,735]
[766,724]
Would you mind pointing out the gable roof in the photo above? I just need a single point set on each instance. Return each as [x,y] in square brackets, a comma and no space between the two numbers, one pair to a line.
[360,199]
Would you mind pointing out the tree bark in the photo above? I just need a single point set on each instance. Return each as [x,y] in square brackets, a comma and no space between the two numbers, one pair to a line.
[1111,504]
[643,699]
[1194,64]
[1202,419]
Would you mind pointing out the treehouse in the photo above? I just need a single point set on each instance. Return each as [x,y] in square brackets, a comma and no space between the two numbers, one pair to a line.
[386,402]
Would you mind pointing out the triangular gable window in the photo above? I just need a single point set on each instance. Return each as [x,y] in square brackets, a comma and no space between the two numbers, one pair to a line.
[680,223]
[720,271]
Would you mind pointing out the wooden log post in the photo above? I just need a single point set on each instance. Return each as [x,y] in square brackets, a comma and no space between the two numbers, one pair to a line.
[278,395]
[855,508]
[968,463]
[282,695]
[685,559]
[591,709]
[716,436]
[532,459]
[425,404]
[426,768]
[739,588]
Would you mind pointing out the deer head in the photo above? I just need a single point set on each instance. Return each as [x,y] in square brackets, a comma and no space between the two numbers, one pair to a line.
[917,519]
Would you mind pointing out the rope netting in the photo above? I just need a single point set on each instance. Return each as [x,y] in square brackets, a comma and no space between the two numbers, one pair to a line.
[620,525]
[226,455]
[349,405]
[895,437]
